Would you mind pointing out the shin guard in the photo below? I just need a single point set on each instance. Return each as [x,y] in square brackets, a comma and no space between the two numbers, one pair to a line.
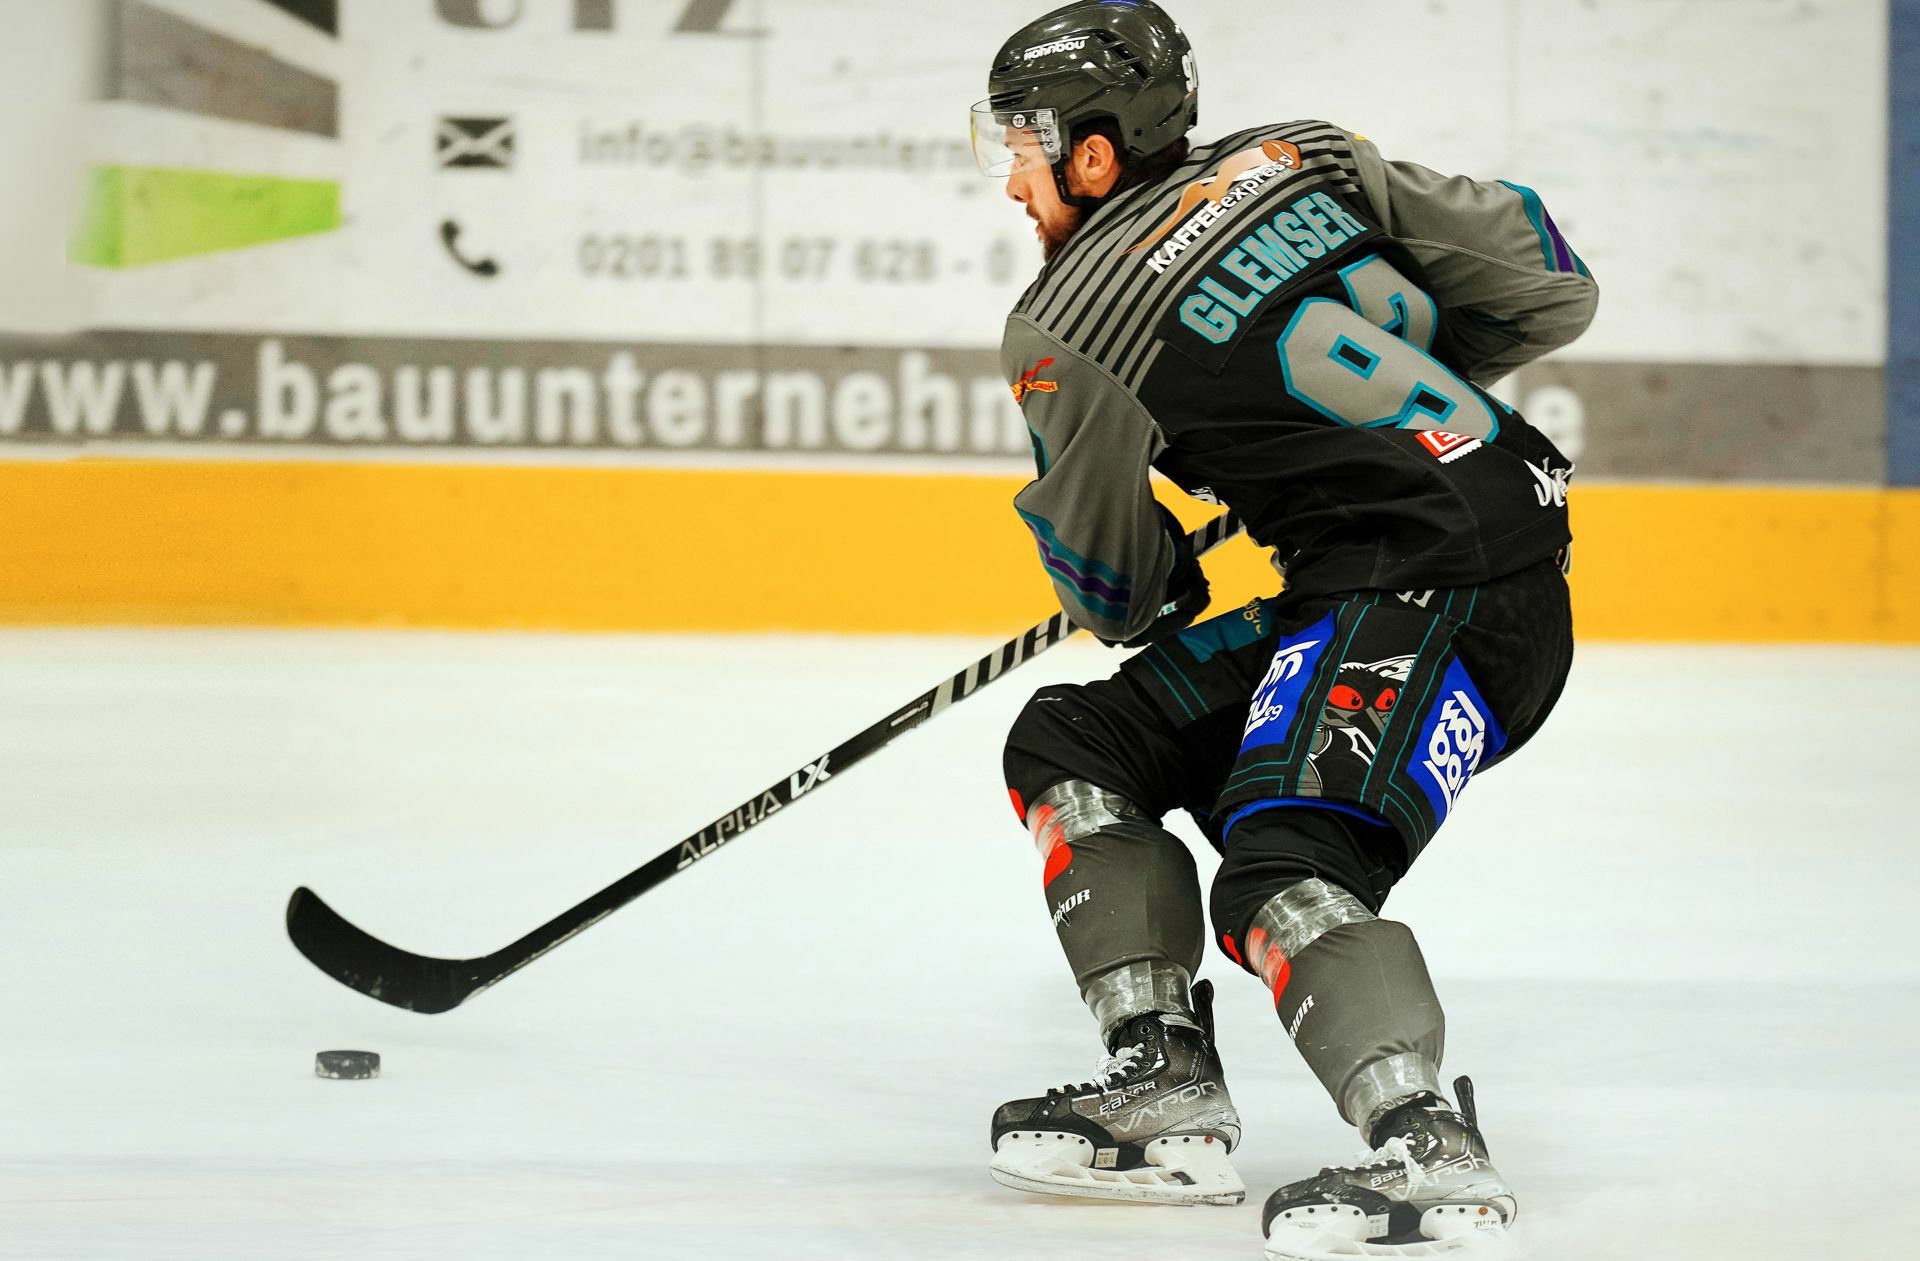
[1353,993]
[1125,900]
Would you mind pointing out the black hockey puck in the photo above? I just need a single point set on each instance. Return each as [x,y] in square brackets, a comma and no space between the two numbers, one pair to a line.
[347,1065]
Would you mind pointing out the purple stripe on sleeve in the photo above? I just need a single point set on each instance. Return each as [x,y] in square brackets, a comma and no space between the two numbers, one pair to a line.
[1091,586]
[1562,252]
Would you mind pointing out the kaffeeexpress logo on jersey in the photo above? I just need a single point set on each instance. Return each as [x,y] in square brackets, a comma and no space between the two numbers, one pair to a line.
[1028,385]
[1240,176]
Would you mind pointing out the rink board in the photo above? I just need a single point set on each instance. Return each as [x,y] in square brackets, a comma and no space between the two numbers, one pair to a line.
[139,542]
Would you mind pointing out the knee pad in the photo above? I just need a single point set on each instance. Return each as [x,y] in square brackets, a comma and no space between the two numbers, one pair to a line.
[1125,899]
[1292,920]
[1273,851]
[1075,811]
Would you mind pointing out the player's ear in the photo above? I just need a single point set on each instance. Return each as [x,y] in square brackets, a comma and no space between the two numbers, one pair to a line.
[1098,163]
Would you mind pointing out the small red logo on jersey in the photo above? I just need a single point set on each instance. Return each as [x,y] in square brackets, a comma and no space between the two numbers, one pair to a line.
[1446,445]
[1027,385]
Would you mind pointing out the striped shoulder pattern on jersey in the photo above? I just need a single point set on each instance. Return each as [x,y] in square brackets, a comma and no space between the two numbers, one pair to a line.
[1102,296]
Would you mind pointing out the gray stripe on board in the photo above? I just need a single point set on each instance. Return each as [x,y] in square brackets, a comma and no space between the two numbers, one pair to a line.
[157,58]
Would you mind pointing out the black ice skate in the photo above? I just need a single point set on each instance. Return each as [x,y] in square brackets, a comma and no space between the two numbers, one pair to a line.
[1154,1124]
[1429,1190]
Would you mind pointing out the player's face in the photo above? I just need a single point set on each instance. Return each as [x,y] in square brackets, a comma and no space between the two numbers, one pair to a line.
[1031,184]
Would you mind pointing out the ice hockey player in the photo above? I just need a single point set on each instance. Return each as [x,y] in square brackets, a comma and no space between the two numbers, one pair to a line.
[1285,322]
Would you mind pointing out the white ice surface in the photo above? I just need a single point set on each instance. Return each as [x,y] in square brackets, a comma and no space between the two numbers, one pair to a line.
[1675,938]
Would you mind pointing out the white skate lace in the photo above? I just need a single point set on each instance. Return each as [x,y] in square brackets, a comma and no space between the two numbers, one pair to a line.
[1111,1069]
[1396,1151]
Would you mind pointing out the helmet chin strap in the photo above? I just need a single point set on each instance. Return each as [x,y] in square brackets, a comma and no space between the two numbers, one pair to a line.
[1079,201]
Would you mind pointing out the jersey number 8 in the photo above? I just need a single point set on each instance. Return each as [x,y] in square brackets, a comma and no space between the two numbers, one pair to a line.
[1365,362]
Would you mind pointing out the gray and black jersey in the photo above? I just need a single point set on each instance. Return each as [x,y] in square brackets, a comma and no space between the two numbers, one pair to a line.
[1295,327]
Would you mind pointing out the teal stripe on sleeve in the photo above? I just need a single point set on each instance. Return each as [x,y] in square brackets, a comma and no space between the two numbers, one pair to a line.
[1537,216]
[1099,589]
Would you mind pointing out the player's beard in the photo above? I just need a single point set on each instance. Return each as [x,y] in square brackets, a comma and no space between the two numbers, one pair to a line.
[1054,238]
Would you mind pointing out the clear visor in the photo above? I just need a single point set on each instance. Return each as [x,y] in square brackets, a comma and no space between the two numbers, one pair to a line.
[1005,141]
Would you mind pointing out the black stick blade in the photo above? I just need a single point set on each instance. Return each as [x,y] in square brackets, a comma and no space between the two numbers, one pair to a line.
[361,961]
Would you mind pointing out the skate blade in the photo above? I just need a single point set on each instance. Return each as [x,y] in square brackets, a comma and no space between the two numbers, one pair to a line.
[1468,1232]
[1180,1169]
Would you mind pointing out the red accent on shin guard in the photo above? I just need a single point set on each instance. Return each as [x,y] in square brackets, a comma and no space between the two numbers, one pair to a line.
[1019,806]
[1277,973]
[1047,830]
[1226,944]
[1050,838]
[1269,962]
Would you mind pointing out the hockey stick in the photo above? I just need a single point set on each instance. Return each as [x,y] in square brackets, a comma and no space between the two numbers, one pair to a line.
[423,983]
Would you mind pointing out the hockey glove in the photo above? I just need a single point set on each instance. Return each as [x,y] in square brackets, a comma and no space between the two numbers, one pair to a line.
[1187,592]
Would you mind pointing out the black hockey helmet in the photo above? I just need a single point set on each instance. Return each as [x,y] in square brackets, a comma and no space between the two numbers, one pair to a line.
[1120,59]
